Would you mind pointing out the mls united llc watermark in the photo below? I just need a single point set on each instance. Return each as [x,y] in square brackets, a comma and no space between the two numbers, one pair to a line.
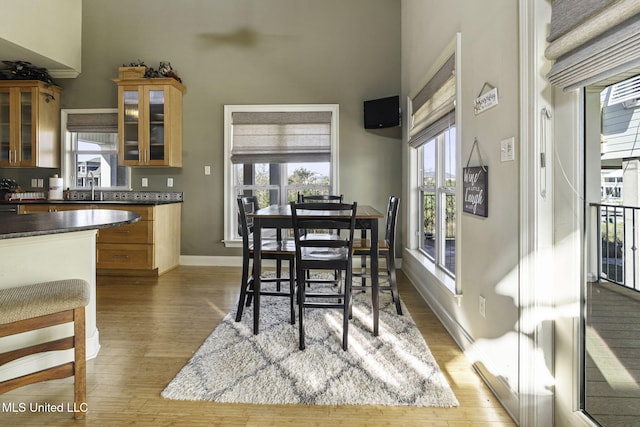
[35,407]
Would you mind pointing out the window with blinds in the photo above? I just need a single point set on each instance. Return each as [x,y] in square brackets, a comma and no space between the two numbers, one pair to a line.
[435,150]
[274,152]
[281,136]
[90,156]
[593,41]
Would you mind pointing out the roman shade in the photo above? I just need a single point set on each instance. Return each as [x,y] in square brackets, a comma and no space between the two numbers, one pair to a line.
[433,106]
[281,137]
[592,40]
[93,122]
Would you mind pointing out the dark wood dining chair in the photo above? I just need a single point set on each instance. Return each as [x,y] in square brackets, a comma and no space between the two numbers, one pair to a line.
[386,248]
[278,249]
[318,253]
[322,198]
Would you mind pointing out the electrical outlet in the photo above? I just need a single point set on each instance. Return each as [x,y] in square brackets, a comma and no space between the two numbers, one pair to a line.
[145,182]
[482,306]
[169,182]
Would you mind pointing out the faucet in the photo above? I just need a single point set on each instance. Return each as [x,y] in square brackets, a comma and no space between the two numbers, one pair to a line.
[93,189]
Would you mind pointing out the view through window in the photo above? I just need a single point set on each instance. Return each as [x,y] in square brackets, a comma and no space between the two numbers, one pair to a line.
[437,193]
[611,336]
[275,152]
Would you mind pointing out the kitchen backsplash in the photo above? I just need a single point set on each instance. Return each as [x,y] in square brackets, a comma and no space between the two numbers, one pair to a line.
[174,196]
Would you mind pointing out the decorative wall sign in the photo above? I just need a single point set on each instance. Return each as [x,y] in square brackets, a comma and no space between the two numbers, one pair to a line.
[486,100]
[475,186]
[475,189]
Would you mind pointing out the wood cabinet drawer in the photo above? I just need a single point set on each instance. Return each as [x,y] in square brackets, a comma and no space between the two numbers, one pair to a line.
[138,232]
[27,209]
[124,256]
[145,212]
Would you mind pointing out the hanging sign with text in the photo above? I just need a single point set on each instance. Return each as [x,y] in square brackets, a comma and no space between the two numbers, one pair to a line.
[485,101]
[475,189]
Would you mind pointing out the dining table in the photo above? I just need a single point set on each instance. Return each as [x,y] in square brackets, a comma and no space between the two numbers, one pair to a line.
[279,217]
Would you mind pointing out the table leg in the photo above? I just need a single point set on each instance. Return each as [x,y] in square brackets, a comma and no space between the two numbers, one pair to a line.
[257,272]
[374,275]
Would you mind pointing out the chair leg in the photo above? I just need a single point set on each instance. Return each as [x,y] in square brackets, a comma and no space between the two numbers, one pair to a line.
[80,363]
[243,289]
[301,290]
[278,273]
[346,310]
[250,286]
[391,266]
[292,291]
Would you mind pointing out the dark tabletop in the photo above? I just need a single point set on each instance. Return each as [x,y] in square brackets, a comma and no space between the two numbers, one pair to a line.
[39,224]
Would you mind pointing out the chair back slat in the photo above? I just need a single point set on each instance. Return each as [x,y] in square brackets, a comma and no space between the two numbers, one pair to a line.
[326,198]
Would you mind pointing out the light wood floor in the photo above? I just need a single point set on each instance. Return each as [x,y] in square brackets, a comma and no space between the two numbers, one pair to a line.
[150,327]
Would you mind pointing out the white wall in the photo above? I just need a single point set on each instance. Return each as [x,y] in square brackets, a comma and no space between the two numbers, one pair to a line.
[488,248]
[44,32]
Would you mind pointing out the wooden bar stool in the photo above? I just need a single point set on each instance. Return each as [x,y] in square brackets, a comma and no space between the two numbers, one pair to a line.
[32,307]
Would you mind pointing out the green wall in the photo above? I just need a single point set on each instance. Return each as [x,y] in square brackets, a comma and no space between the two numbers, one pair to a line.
[248,52]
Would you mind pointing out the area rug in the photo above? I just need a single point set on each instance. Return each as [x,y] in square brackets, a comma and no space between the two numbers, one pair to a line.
[234,365]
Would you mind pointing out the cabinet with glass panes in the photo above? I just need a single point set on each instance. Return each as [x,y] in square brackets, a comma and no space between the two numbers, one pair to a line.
[150,122]
[29,124]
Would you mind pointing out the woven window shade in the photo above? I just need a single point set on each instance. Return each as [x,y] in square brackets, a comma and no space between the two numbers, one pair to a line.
[592,40]
[281,137]
[432,104]
[93,123]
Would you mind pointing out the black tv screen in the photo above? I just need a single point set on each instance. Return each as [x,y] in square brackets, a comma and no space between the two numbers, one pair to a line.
[382,113]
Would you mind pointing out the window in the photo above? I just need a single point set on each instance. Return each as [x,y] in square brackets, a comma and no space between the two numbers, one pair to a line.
[276,151]
[437,196]
[91,150]
[434,163]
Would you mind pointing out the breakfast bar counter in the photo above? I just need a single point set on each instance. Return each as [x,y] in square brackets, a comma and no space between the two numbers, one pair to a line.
[52,246]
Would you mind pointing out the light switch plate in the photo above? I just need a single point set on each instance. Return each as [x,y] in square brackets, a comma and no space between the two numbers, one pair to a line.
[507,150]
[169,182]
[145,182]
[207,170]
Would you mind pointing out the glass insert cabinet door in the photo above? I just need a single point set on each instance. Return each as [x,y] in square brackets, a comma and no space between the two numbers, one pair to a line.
[5,126]
[143,126]
[26,127]
[17,126]
[150,124]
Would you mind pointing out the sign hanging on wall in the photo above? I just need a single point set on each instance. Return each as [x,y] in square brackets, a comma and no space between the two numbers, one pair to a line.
[486,100]
[475,190]
[475,186]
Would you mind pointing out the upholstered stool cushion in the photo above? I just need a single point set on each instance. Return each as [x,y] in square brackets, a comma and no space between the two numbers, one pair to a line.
[26,302]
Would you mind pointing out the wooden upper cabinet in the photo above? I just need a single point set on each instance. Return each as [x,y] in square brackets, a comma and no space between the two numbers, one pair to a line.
[29,124]
[150,122]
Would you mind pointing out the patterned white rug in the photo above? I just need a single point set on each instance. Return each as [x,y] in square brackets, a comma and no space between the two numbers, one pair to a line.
[395,368]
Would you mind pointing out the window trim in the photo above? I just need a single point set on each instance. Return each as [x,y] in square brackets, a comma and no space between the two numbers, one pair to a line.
[66,161]
[230,238]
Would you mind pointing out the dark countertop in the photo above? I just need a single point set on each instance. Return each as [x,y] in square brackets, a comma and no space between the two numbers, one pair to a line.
[39,224]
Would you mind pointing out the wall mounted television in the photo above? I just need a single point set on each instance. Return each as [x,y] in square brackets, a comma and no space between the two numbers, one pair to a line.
[382,113]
